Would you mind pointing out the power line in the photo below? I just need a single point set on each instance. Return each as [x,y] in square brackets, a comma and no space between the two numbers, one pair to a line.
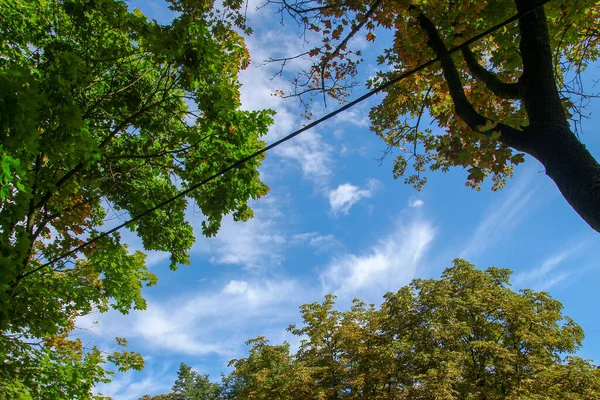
[241,162]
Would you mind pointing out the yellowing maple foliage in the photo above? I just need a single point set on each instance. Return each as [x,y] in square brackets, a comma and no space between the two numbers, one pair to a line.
[466,335]
[515,91]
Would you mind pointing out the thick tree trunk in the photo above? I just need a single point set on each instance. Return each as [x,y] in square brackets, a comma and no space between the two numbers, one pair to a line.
[572,168]
[548,137]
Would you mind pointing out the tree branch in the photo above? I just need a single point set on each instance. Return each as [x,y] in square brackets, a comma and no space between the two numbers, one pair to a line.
[50,217]
[509,136]
[489,79]
[298,11]
[353,32]
[343,43]
[462,106]
[123,125]
[159,154]
[539,91]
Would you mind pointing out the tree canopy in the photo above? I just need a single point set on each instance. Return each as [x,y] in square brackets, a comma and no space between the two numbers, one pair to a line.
[190,386]
[517,90]
[466,335]
[105,113]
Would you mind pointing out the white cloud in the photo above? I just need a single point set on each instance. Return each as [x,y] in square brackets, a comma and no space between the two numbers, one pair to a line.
[123,386]
[254,243]
[257,243]
[390,263]
[342,198]
[320,243]
[211,323]
[312,154]
[415,203]
[236,287]
[542,272]
[357,116]
[553,281]
[200,323]
[309,150]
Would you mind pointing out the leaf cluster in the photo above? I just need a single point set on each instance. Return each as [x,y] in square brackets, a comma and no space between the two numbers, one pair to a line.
[474,96]
[464,336]
[190,386]
[104,114]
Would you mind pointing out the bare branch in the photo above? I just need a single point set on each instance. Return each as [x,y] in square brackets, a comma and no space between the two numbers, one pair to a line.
[344,42]
[318,79]
[285,59]
[299,10]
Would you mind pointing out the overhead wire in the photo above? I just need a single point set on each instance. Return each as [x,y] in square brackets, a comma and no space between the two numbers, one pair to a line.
[311,125]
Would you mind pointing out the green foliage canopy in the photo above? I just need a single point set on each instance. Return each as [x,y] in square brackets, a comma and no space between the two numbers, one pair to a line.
[101,109]
[190,385]
[464,336]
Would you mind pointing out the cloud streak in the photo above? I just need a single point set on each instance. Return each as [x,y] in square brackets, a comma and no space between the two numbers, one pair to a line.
[388,264]
[258,243]
[199,324]
[505,215]
[124,387]
[415,203]
[566,263]
[309,151]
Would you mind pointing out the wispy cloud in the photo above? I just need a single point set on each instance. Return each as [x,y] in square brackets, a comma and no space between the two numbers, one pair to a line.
[506,214]
[257,243]
[342,198]
[557,267]
[200,323]
[312,154]
[390,263]
[320,243]
[357,116]
[543,272]
[254,243]
[196,324]
[309,151]
[125,386]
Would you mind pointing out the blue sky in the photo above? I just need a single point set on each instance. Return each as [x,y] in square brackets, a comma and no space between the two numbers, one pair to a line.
[336,222]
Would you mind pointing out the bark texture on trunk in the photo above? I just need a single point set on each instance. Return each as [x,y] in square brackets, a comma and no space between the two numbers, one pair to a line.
[572,168]
[548,137]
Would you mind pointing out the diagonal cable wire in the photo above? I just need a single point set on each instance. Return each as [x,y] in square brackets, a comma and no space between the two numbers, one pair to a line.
[242,161]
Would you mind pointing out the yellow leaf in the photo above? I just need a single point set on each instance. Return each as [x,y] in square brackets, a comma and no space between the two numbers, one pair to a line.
[489,125]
